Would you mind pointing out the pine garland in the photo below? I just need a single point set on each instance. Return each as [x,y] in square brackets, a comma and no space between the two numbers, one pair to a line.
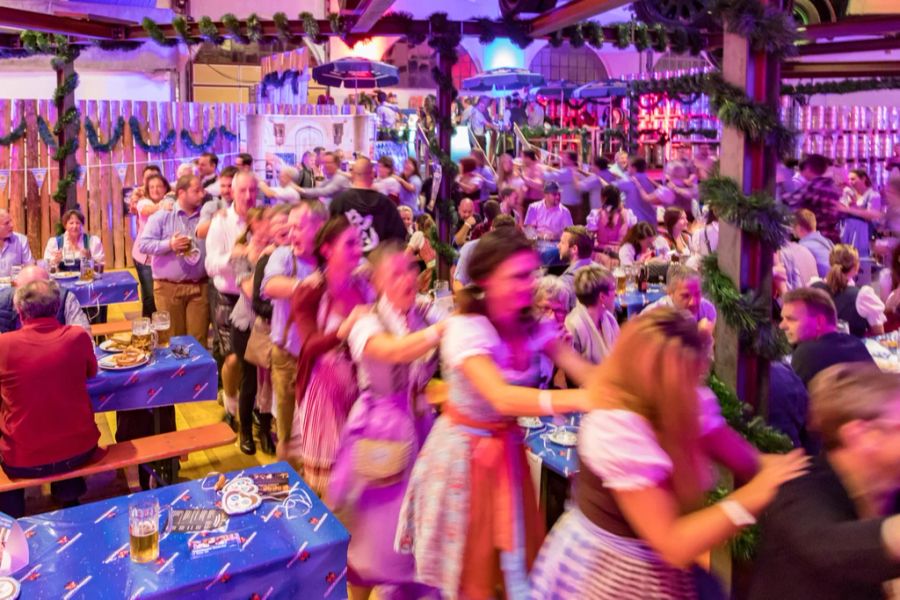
[757,214]
[310,25]
[208,31]
[254,28]
[768,28]
[233,25]
[281,24]
[156,33]
[847,86]
[204,146]
[181,27]
[46,134]
[93,137]
[15,134]
[161,148]
[69,85]
[747,313]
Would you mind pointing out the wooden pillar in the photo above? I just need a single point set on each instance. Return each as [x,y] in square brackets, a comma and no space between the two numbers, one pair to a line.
[444,135]
[743,258]
[68,132]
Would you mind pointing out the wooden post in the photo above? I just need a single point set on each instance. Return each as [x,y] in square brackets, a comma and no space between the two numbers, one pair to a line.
[444,135]
[68,132]
[744,259]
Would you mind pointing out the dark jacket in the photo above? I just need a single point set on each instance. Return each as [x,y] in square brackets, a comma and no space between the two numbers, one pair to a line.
[9,318]
[815,546]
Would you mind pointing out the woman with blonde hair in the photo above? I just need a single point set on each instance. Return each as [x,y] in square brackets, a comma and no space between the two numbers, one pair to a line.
[639,523]
[860,307]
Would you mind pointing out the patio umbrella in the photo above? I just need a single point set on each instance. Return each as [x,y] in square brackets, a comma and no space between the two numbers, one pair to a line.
[555,89]
[356,73]
[601,89]
[502,80]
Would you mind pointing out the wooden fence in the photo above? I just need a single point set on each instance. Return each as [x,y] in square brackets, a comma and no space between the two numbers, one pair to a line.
[33,211]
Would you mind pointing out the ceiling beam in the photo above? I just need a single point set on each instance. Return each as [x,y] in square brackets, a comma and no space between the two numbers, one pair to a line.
[854,26]
[89,28]
[367,13]
[574,12]
[887,43]
[837,70]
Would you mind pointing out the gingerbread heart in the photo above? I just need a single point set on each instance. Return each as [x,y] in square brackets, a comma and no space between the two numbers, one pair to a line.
[237,502]
[241,484]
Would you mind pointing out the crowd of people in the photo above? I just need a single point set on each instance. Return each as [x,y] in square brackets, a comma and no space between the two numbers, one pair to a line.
[328,326]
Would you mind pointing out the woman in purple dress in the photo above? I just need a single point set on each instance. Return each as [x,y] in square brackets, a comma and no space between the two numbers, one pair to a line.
[394,350]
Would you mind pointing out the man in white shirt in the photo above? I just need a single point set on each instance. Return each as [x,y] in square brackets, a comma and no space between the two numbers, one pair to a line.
[285,193]
[546,220]
[207,165]
[224,231]
[620,169]
[220,202]
[683,293]
[478,124]
[385,113]
[334,183]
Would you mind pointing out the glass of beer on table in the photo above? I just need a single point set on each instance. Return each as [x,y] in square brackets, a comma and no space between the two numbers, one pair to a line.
[87,270]
[143,530]
[142,335]
[162,327]
[621,278]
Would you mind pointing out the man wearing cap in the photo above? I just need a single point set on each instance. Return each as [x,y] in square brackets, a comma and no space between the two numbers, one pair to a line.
[548,219]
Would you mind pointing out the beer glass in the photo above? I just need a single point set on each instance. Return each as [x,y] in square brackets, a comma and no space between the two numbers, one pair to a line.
[620,281]
[143,530]
[68,259]
[87,270]
[142,335]
[162,327]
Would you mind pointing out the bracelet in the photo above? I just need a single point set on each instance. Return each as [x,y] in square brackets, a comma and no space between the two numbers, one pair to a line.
[545,401]
[432,335]
[736,513]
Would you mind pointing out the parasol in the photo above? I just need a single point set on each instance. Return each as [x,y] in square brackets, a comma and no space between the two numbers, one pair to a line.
[502,80]
[602,89]
[356,73]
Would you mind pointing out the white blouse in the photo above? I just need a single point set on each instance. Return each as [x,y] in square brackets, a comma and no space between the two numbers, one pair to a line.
[94,245]
[868,304]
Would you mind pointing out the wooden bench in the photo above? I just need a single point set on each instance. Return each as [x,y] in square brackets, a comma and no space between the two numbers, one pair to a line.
[162,446]
[100,329]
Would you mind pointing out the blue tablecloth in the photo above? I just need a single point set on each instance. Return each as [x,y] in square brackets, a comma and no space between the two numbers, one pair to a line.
[114,287]
[291,549]
[634,302]
[165,381]
[559,459]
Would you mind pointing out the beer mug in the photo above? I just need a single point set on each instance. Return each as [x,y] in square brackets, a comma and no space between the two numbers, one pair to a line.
[143,530]
[162,326]
[143,337]
[619,274]
[87,270]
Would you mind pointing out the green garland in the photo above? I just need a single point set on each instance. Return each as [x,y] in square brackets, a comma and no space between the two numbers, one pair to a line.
[161,148]
[282,26]
[233,25]
[847,86]
[254,28]
[768,28]
[181,27]
[93,137]
[204,146]
[310,25]
[758,121]
[45,133]
[68,86]
[765,438]
[15,134]
[757,214]
[209,32]
[156,33]
[748,313]
[447,252]
[276,80]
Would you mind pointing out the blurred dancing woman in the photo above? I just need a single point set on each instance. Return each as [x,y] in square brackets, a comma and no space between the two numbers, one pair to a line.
[645,450]
[470,510]
[393,348]
[324,315]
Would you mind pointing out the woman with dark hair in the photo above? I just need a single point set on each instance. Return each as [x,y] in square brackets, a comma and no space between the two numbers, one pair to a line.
[154,199]
[469,182]
[676,235]
[637,245]
[646,449]
[67,249]
[470,515]
[862,209]
[859,307]
[610,222]
[410,185]
[705,240]
[324,311]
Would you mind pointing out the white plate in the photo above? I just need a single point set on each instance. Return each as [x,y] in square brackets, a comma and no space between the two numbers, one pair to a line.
[109,363]
[110,346]
[65,274]
[530,422]
[563,437]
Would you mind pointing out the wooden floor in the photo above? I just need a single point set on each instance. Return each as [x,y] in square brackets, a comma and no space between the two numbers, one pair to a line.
[198,465]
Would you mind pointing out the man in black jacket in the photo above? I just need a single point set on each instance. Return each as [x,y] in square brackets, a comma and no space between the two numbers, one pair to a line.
[832,534]
[809,320]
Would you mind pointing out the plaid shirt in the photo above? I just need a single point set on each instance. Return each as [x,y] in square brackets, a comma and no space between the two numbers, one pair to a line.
[822,197]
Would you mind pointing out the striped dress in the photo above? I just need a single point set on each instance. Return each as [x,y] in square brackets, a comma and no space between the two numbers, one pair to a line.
[582,560]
